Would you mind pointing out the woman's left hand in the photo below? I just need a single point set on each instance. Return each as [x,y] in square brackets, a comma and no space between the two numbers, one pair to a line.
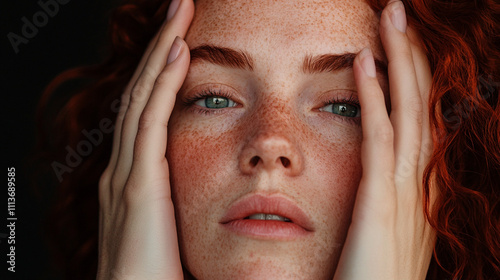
[389,236]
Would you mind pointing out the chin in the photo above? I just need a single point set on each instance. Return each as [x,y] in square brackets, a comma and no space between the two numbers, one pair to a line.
[263,260]
[265,269]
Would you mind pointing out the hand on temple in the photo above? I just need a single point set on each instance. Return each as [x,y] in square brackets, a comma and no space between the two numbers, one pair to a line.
[389,236]
[138,237]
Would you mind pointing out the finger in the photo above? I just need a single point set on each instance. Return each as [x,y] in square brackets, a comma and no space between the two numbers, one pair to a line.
[151,219]
[377,146]
[151,142]
[424,80]
[125,98]
[141,91]
[406,103]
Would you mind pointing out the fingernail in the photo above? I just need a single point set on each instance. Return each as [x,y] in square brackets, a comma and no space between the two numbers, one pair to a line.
[367,62]
[398,16]
[172,9]
[174,50]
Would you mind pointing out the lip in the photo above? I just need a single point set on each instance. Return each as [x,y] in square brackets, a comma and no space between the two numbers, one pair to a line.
[234,219]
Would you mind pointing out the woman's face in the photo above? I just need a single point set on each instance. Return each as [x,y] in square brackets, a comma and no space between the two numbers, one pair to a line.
[267,123]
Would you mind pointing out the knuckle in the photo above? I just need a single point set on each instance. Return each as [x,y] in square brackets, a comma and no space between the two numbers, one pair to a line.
[384,133]
[163,78]
[146,120]
[415,109]
[117,182]
[139,94]
[123,108]
[403,171]
[405,51]
[165,39]
[105,194]
[124,100]
[148,75]
[127,196]
[142,88]
[105,178]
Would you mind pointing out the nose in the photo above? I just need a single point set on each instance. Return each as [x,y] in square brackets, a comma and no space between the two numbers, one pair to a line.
[269,151]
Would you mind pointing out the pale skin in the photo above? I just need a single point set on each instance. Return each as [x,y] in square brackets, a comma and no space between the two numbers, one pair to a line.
[368,224]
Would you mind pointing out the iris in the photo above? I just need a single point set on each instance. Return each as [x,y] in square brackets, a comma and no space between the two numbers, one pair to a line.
[343,109]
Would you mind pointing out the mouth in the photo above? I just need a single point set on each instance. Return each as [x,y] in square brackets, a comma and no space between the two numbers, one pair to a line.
[267,217]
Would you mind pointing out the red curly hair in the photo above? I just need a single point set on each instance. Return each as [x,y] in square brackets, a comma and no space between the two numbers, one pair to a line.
[462,42]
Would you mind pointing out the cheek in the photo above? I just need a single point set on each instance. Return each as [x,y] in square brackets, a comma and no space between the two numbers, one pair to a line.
[202,170]
[346,165]
[339,163]
[198,162]
[335,171]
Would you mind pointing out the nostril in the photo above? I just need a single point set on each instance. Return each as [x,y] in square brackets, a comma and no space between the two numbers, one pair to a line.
[285,161]
[254,161]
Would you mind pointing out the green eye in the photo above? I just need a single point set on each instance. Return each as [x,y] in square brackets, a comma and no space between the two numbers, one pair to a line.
[215,102]
[342,109]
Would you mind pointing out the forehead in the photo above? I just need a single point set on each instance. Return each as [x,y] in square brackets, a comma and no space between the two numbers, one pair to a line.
[323,26]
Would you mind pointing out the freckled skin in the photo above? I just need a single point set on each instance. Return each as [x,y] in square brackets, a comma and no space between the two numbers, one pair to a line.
[278,107]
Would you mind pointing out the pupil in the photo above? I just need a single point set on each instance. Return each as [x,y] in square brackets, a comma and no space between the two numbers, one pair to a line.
[346,110]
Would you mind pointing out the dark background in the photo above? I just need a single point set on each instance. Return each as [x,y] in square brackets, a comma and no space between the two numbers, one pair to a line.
[74,36]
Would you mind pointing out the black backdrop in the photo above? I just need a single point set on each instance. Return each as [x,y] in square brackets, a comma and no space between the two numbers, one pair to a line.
[70,35]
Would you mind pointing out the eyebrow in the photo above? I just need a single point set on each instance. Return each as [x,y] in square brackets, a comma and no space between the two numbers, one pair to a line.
[228,57]
[335,62]
[222,56]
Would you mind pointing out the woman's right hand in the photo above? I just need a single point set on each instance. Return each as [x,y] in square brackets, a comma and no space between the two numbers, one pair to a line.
[137,230]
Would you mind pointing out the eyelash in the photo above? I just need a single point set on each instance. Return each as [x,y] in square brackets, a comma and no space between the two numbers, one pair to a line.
[190,101]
